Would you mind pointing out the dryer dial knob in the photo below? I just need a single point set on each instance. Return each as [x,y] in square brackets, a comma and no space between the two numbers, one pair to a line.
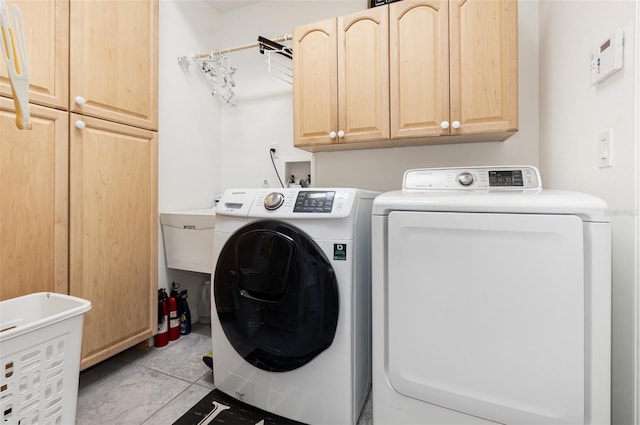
[465,178]
[273,201]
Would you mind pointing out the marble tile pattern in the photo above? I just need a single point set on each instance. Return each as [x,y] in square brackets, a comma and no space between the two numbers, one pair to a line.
[153,386]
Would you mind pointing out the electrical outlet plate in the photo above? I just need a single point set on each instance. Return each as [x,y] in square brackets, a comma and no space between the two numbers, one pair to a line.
[276,148]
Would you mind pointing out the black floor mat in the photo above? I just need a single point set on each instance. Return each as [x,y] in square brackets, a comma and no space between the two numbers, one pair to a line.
[223,409]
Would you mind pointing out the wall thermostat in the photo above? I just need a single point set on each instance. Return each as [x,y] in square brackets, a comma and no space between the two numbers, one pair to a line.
[607,58]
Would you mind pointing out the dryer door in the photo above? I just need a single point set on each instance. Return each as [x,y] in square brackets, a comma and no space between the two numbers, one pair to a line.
[486,314]
[276,296]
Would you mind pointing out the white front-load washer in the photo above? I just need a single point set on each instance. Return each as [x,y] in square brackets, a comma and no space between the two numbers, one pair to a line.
[291,305]
[491,301]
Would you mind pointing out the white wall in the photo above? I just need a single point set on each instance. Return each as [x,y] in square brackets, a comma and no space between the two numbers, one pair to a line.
[572,113]
[189,125]
[637,208]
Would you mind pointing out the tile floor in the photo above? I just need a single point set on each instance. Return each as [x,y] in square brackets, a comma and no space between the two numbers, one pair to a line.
[154,386]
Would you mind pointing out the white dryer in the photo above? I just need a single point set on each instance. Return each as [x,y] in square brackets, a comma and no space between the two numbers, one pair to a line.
[291,309]
[491,301]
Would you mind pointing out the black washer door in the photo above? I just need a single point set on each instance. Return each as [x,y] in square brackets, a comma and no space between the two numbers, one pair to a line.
[276,296]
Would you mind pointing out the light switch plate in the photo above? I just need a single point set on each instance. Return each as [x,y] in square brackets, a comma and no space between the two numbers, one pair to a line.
[605,140]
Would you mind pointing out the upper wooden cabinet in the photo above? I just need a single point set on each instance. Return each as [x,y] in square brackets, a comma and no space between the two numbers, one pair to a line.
[315,94]
[484,66]
[114,61]
[452,76]
[419,68]
[46,28]
[113,234]
[34,198]
[341,80]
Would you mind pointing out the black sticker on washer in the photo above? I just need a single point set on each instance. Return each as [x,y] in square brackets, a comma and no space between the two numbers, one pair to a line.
[340,251]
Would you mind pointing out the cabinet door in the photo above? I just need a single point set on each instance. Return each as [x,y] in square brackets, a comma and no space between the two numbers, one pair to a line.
[46,30]
[113,234]
[363,76]
[33,202]
[484,65]
[419,68]
[114,60]
[315,83]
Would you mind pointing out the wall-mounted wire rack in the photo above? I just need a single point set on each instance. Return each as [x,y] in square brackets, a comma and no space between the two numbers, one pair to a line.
[216,69]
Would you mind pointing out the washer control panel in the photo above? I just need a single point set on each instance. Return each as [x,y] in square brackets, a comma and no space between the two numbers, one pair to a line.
[281,203]
[472,178]
[306,201]
[291,202]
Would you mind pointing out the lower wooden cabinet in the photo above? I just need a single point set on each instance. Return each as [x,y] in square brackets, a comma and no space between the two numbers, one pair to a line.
[33,202]
[113,233]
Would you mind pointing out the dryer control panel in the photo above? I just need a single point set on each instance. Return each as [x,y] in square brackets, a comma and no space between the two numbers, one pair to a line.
[472,178]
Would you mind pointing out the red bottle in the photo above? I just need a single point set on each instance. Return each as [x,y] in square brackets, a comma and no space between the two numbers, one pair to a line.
[162,337]
[174,319]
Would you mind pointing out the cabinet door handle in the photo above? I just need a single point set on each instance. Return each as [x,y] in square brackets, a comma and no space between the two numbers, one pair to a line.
[340,133]
[332,135]
[444,125]
[455,124]
[80,125]
[80,100]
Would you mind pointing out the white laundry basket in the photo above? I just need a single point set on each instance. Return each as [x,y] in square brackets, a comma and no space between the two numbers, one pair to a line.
[40,342]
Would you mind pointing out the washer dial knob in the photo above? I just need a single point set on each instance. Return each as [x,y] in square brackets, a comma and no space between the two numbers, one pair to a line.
[273,201]
[465,178]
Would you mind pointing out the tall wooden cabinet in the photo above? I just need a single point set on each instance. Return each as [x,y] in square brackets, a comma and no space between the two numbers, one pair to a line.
[34,217]
[98,239]
[345,98]
[113,174]
[451,76]
[113,233]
